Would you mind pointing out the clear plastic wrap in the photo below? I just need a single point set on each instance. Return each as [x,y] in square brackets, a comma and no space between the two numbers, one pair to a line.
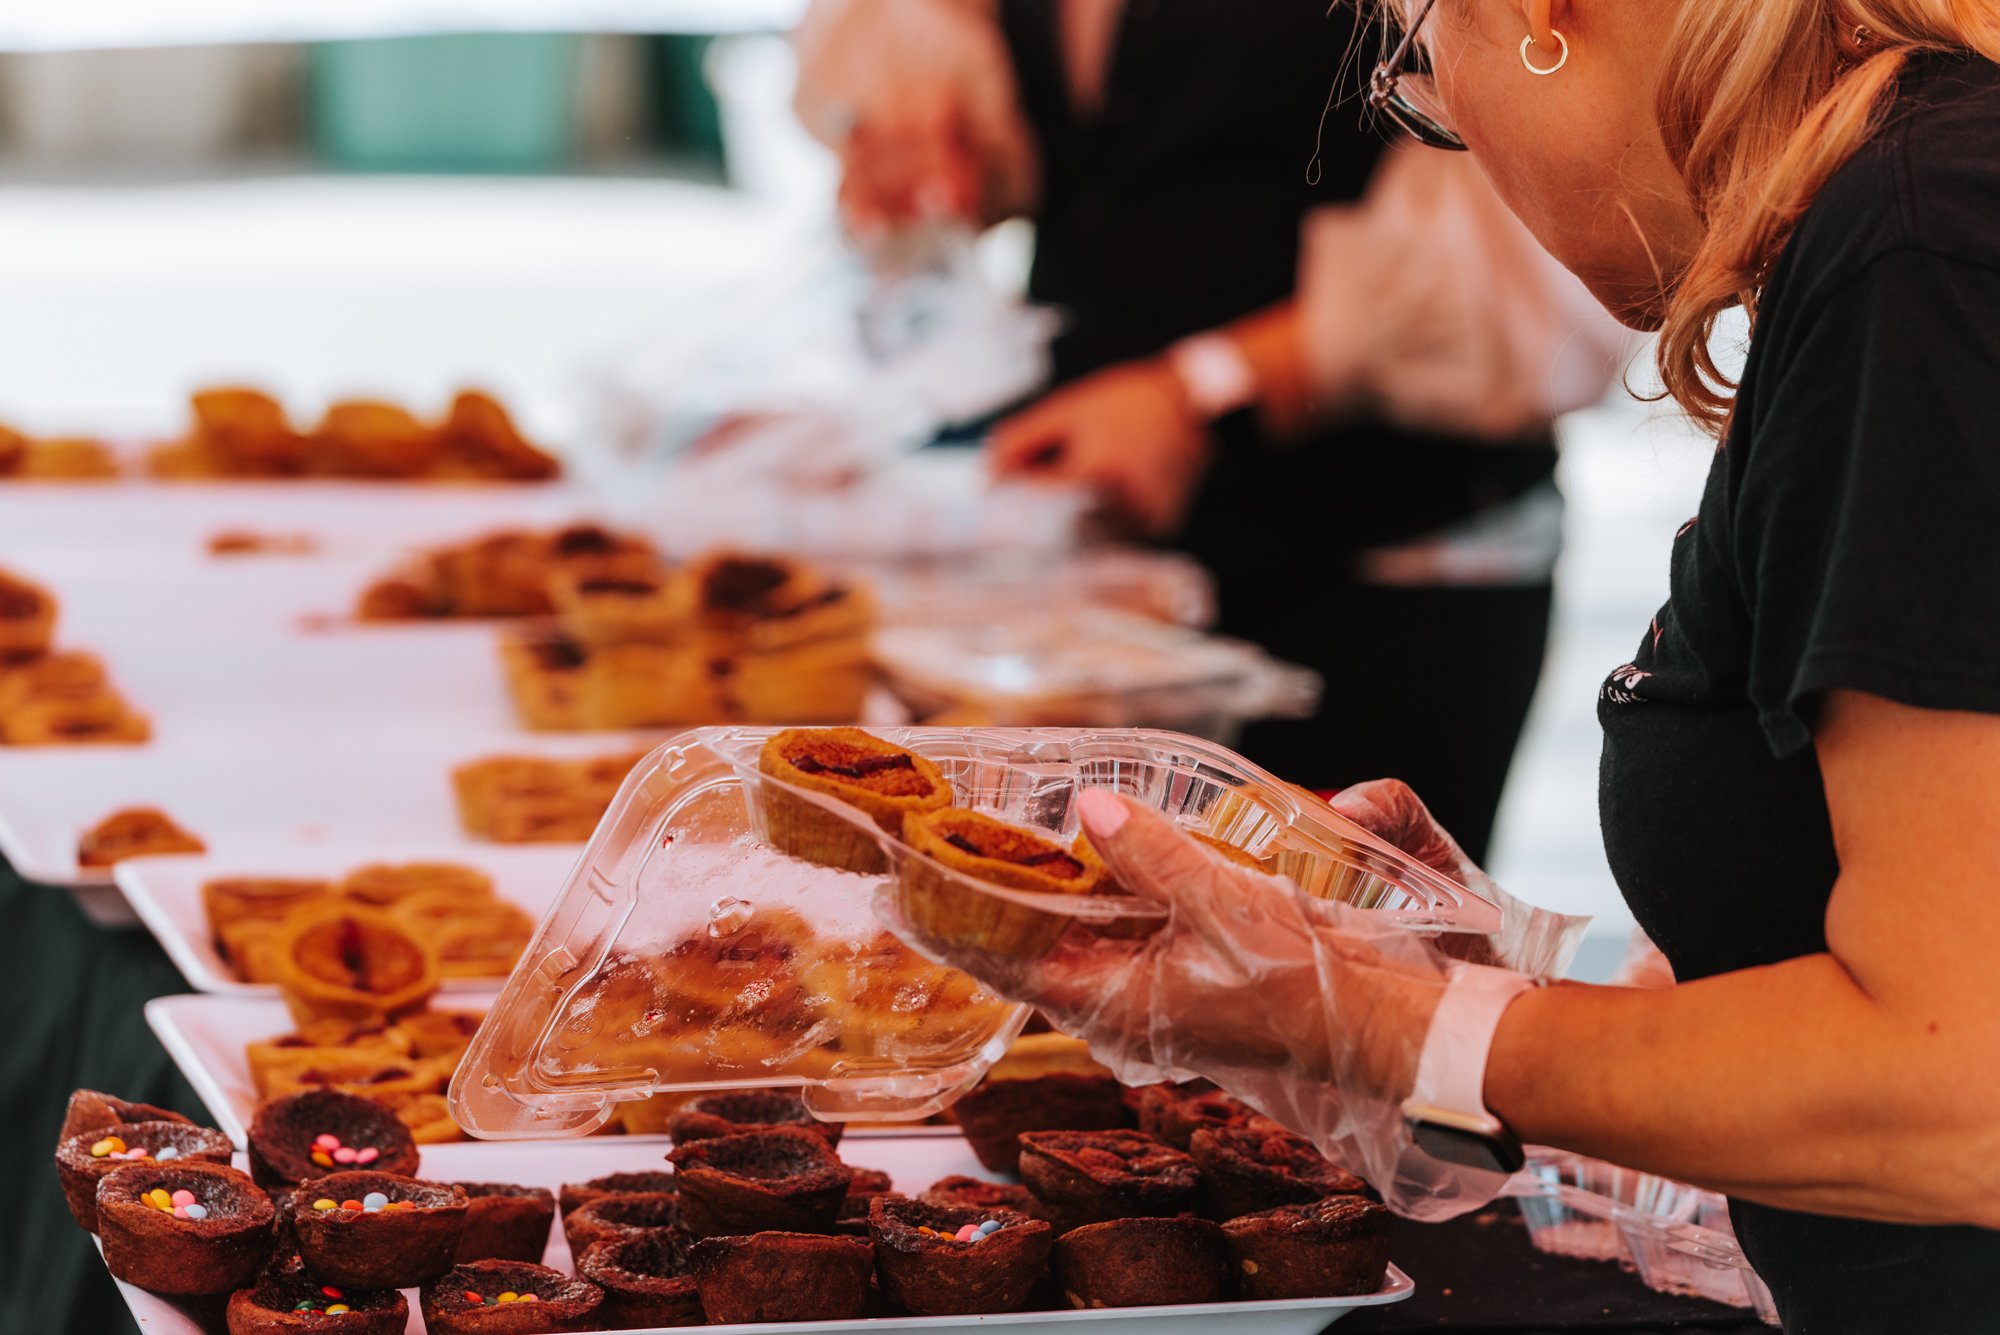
[1589,1209]
[688,952]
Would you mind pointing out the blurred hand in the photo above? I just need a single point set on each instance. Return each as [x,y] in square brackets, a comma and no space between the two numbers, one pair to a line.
[1128,432]
[1390,810]
[913,162]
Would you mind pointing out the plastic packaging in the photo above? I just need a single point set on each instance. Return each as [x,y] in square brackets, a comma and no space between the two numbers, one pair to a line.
[1592,1210]
[1704,1259]
[687,952]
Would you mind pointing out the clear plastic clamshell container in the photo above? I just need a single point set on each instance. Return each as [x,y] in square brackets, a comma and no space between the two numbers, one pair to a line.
[688,951]
[1702,1259]
[1591,1210]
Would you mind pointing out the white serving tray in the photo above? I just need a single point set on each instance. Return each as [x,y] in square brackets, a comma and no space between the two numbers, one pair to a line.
[913,1163]
[262,790]
[166,894]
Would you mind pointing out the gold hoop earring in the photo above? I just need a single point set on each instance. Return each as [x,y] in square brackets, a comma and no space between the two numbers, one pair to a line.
[1561,60]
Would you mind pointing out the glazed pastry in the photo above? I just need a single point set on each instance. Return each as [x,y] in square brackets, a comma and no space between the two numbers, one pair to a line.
[508,1298]
[243,433]
[472,938]
[362,438]
[504,1222]
[1335,1248]
[90,1156]
[879,780]
[574,1196]
[762,603]
[90,1110]
[1086,1177]
[382,884]
[955,845]
[646,1282]
[546,678]
[778,1276]
[286,1135]
[444,1034]
[620,1217]
[1141,1263]
[281,1063]
[530,799]
[27,619]
[183,1228]
[948,1260]
[373,1230]
[1173,1113]
[287,1301]
[977,1193]
[996,1112]
[1245,1170]
[734,1112]
[348,963]
[136,832]
[478,439]
[616,604]
[232,899]
[779,1181]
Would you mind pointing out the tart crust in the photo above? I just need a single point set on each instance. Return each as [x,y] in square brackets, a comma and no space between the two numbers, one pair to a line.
[1245,1170]
[283,1129]
[1141,1263]
[271,1307]
[880,780]
[646,1282]
[154,1250]
[737,1111]
[776,1276]
[1089,1177]
[383,1249]
[81,1172]
[558,1303]
[1334,1248]
[955,845]
[504,1222]
[762,1181]
[934,1274]
[995,1113]
[347,963]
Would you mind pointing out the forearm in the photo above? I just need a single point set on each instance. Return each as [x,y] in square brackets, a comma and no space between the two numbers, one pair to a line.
[1787,1085]
[1273,342]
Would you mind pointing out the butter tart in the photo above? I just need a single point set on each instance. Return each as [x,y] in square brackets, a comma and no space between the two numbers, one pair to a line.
[288,1301]
[620,1216]
[63,675]
[287,1133]
[136,832]
[27,619]
[244,433]
[619,603]
[734,1112]
[1332,1248]
[955,843]
[826,681]
[546,679]
[386,884]
[92,1110]
[881,781]
[504,1222]
[444,1034]
[227,900]
[280,1063]
[955,1260]
[1141,1263]
[508,1298]
[346,963]
[364,438]
[777,1276]
[478,439]
[995,1113]
[778,1181]
[651,686]
[87,1158]
[377,1230]
[646,1282]
[183,1228]
[532,799]
[472,938]
[101,718]
[745,602]
[1245,1170]
[575,1195]
[1085,1177]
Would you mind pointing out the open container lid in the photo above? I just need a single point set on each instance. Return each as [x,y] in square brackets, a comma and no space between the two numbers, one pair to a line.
[687,951]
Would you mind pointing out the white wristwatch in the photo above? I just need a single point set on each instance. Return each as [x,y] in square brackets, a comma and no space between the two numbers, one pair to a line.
[1446,1112]
[1214,374]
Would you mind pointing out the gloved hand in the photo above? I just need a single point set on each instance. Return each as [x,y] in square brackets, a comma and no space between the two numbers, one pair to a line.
[911,161]
[1314,1012]
[1532,940]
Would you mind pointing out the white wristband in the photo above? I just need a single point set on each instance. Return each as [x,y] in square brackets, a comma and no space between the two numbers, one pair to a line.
[1214,374]
[1451,1073]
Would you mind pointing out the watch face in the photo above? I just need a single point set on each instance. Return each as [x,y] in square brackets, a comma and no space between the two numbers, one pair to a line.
[1469,1149]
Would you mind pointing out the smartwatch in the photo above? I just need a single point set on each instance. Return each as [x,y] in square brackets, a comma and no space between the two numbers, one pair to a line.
[1214,374]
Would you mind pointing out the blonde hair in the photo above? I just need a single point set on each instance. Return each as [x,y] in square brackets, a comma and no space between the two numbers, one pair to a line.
[1761,102]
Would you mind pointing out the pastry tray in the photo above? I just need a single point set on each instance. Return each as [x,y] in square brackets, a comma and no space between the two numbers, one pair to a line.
[687,952]
[166,894]
[913,1163]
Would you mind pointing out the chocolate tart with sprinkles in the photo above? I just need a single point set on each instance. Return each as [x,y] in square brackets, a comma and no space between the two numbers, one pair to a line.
[936,902]
[978,1194]
[504,1222]
[1245,1170]
[762,1181]
[1088,1177]
[780,1276]
[377,1230]
[86,1159]
[735,1112]
[286,1300]
[573,1196]
[184,1229]
[508,1298]
[646,1282]
[878,779]
[617,1218]
[90,1110]
[995,1113]
[930,1266]
[285,1135]
[1335,1248]
[1175,1112]
[1141,1263]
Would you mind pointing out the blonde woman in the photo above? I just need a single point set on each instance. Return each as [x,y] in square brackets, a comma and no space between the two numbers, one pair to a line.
[1801,771]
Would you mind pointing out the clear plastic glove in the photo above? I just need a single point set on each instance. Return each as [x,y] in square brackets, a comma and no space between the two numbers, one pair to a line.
[910,162]
[1314,1012]
[1127,432]
[1643,965]
[1532,940]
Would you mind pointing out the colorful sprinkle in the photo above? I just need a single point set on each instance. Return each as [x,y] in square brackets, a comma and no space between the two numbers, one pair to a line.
[108,1146]
[508,1297]
[168,1153]
[326,1140]
[331,1291]
[195,1211]
[344,1155]
[351,1205]
[183,1197]
[367,1156]
[322,1158]
[337,1308]
[159,1200]
[472,1297]
[401,1205]
[374,1202]
[966,1233]
[323,1203]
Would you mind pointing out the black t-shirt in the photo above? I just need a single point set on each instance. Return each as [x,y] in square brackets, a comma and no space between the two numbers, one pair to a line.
[1849,537]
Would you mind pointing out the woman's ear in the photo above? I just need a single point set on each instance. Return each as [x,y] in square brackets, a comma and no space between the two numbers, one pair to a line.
[1541,18]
